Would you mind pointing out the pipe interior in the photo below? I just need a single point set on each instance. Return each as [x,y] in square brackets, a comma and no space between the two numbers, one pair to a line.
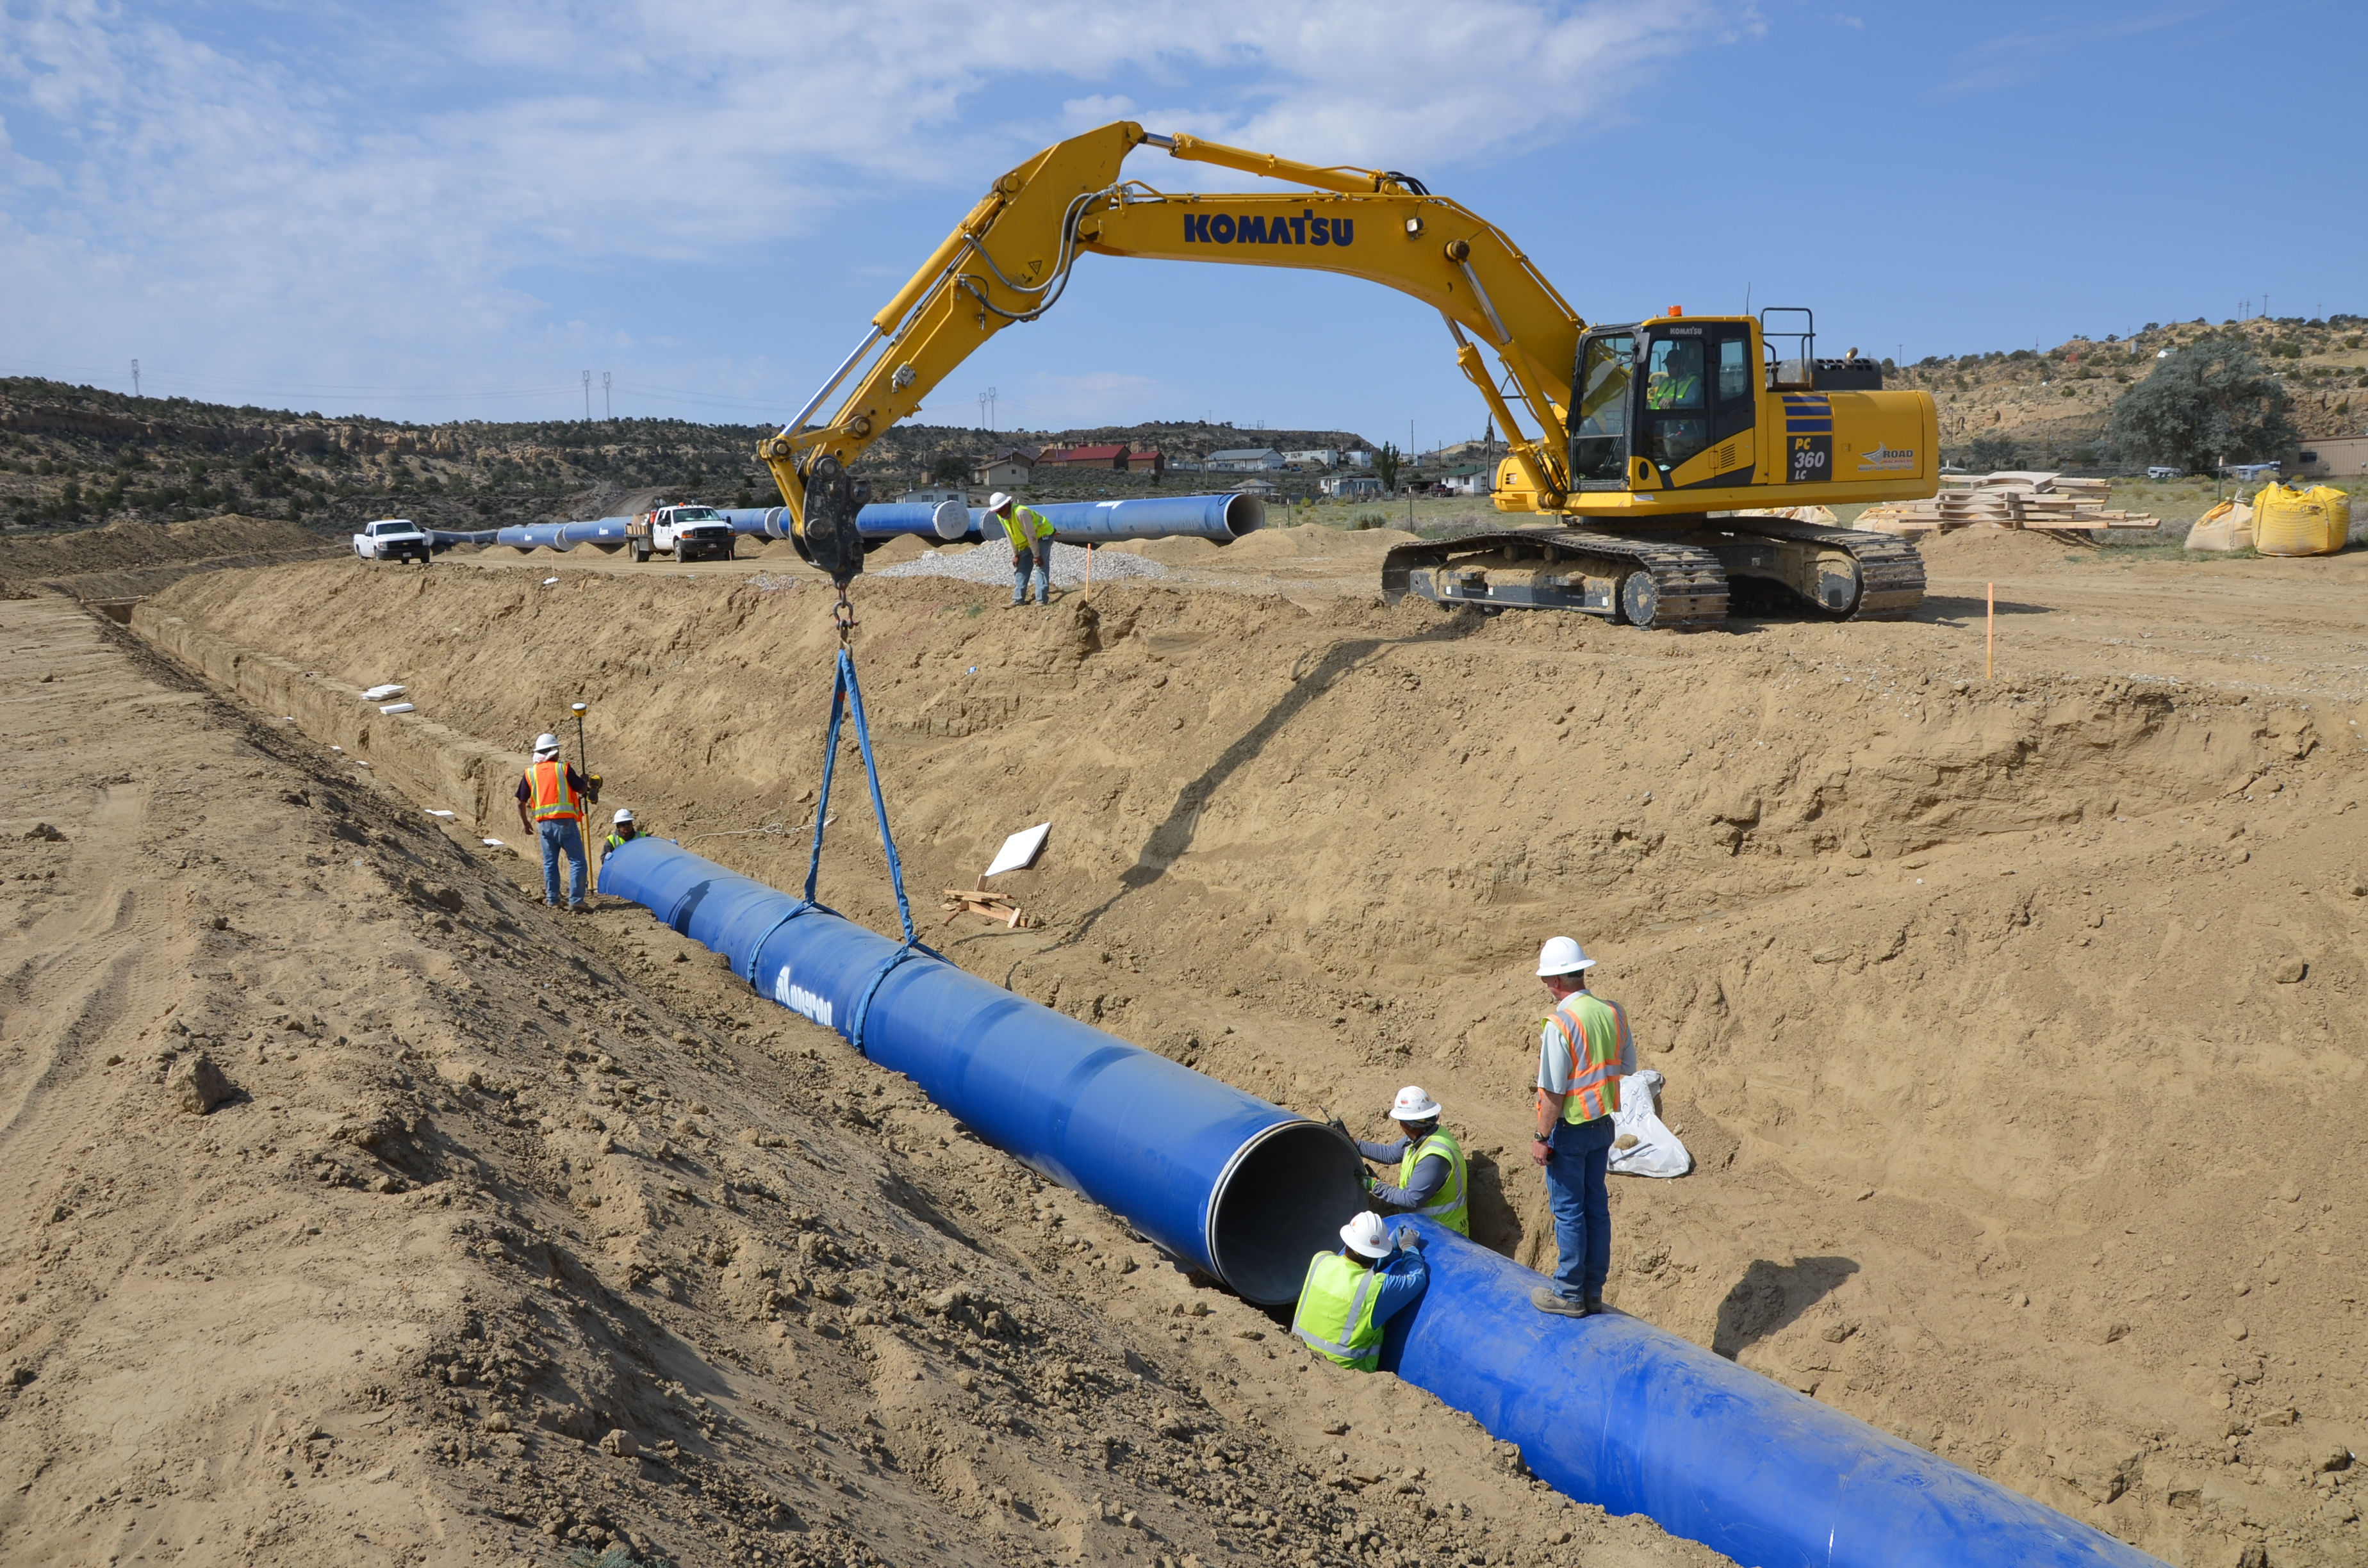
[1281,1203]
[1246,514]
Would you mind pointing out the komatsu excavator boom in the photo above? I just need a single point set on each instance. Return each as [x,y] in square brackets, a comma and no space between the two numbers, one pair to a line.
[1662,448]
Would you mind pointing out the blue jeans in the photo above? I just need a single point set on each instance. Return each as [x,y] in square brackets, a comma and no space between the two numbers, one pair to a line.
[1577,1162]
[561,837]
[1040,560]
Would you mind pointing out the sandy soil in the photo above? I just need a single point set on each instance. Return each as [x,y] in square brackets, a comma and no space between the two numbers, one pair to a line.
[510,1237]
[2015,1024]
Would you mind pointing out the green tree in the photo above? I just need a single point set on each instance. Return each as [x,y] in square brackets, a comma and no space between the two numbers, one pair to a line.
[1385,468]
[2209,402]
[953,469]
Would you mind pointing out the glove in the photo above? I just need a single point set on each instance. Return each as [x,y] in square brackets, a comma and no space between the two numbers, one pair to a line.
[1337,1125]
[1371,1185]
[1406,1239]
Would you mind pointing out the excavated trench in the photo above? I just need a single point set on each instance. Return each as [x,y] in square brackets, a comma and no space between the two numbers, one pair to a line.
[1949,978]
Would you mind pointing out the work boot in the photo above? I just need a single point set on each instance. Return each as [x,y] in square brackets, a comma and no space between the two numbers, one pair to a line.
[581,906]
[1015,604]
[1553,1301]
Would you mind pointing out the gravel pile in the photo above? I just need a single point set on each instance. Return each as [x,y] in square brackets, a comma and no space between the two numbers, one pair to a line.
[992,563]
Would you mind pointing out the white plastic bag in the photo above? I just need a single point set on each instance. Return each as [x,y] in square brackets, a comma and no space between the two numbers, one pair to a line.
[1655,1152]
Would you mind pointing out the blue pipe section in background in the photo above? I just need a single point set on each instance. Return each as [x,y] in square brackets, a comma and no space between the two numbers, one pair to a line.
[439,540]
[531,535]
[1613,1411]
[1195,1166]
[762,522]
[606,533]
[1222,519]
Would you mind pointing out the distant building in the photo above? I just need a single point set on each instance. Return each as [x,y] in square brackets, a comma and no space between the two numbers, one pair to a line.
[1003,470]
[1470,479]
[1083,457]
[1151,463]
[1326,457]
[1245,460]
[1260,487]
[1351,486]
[1360,458]
[935,494]
[2334,455]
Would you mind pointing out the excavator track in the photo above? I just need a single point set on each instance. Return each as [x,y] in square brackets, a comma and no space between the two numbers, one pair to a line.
[1883,580]
[1639,581]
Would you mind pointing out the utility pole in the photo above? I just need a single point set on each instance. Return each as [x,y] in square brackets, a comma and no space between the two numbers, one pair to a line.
[608,404]
[588,397]
[135,378]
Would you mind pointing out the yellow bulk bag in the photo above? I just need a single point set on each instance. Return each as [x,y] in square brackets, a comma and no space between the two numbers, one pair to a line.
[2300,522]
[2226,528]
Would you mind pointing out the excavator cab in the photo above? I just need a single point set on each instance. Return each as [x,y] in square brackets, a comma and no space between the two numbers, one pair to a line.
[1670,403]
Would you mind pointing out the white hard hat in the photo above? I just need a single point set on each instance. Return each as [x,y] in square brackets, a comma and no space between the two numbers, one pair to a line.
[624,813]
[545,742]
[1414,1104]
[1366,1235]
[997,502]
[1561,955]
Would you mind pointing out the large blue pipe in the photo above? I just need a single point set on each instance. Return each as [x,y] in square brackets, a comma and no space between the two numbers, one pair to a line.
[1609,1410]
[1075,1103]
[1219,517]
[530,536]
[604,533]
[1615,1412]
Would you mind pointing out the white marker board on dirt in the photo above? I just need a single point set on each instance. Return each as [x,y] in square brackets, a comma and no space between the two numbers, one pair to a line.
[1020,849]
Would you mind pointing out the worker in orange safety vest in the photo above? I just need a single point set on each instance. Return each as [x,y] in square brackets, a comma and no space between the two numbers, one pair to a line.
[551,799]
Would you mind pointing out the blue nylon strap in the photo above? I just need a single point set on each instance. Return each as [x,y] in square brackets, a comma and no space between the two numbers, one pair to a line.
[758,944]
[871,988]
[846,695]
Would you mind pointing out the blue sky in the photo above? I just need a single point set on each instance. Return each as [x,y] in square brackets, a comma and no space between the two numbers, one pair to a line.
[450,211]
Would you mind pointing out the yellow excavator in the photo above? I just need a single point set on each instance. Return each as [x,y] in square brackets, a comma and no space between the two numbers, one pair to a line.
[1667,450]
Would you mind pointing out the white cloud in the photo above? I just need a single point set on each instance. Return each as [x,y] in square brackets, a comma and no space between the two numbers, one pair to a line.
[356,190]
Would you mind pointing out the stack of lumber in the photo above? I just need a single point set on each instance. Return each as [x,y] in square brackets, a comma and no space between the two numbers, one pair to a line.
[992,906]
[2015,498]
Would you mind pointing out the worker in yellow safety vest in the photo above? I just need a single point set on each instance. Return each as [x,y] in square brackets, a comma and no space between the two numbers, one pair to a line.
[1431,1176]
[1584,1050]
[622,832]
[1030,533]
[1349,1296]
[551,800]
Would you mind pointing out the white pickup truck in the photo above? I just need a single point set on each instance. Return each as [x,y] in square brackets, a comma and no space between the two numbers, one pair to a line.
[392,538]
[686,532]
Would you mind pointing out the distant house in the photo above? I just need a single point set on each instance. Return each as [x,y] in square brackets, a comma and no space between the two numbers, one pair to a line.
[1083,457]
[1360,458]
[935,494]
[2333,454]
[1151,463]
[1470,479]
[1260,487]
[1319,456]
[1351,486]
[1245,460]
[1003,470]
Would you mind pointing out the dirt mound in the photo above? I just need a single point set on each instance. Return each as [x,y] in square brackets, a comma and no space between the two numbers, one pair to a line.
[122,546]
[1316,539]
[483,1234]
[2009,1022]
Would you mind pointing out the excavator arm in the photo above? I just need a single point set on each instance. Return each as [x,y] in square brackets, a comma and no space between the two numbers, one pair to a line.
[1010,258]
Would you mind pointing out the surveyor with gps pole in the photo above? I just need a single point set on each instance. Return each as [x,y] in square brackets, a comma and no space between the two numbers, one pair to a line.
[551,801]
[1584,1050]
